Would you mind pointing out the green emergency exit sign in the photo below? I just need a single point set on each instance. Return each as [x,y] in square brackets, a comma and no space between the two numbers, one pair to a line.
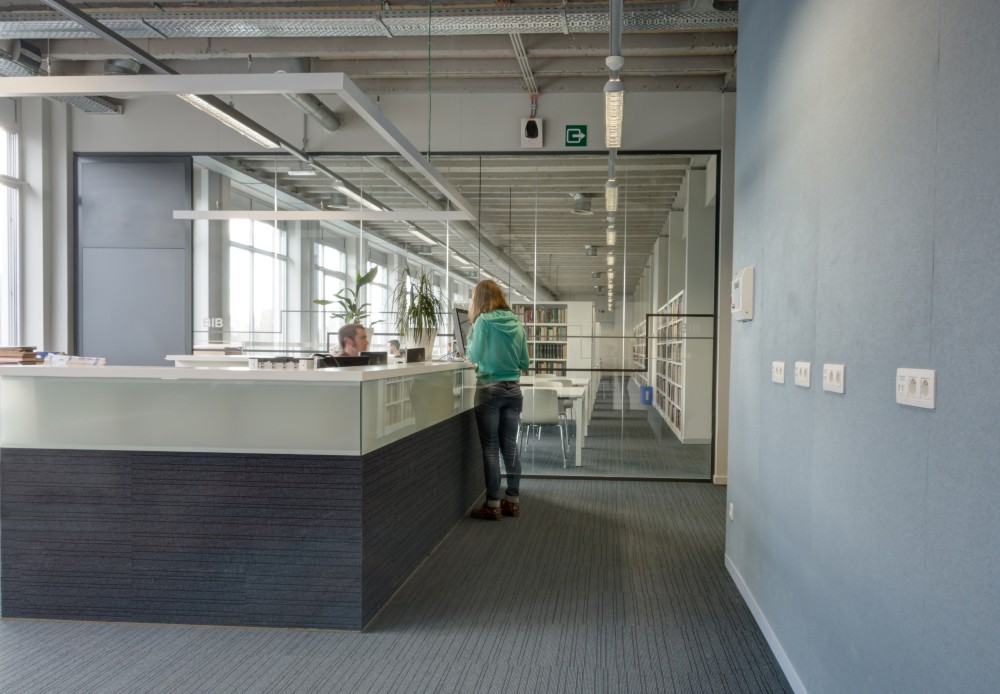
[576,136]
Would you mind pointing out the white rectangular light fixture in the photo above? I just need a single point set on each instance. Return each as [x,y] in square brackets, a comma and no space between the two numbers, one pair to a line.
[301,173]
[421,235]
[421,215]
[227,120]
[359,198]
[614,113]
[252,83]
[611,259]
[611,236]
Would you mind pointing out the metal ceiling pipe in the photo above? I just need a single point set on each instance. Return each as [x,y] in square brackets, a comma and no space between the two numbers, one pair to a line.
[310,104]
[466,230]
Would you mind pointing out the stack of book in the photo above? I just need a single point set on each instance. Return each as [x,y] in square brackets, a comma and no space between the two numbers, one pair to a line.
[19,355]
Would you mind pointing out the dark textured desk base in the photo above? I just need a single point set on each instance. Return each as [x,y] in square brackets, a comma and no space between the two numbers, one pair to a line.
[228,539]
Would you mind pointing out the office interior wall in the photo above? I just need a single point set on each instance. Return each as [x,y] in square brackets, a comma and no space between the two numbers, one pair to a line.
[866,534]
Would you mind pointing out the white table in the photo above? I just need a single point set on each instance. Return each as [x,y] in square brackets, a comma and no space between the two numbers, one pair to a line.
[578,394]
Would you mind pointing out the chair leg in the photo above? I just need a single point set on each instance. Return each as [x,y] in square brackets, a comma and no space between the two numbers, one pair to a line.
[562,444]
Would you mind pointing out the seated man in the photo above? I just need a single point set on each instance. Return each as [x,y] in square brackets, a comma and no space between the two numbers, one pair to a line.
[394,350]
[353,340]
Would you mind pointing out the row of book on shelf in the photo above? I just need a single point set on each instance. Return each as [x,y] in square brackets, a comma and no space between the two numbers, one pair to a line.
[548,333]
[540,314]
[543,351]
[30,355]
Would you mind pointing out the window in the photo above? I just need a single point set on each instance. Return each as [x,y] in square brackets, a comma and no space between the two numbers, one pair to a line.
[330,272]
[258,268]
[9,237]
[378,298]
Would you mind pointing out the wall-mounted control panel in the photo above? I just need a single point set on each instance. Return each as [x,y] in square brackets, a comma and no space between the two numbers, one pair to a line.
[741,296]
[778,371]
[833,378]
[915,387]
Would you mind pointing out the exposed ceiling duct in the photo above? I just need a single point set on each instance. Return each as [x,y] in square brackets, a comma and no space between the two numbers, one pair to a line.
[581,204]
[21,59]
[310,104]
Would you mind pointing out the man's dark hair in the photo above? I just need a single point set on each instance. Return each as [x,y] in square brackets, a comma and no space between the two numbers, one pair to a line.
[349,331]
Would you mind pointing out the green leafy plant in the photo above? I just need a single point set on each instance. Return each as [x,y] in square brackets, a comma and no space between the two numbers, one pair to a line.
[417,304]
[350,309]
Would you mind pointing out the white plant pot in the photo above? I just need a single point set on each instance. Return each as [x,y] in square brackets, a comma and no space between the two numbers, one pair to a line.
[426,341]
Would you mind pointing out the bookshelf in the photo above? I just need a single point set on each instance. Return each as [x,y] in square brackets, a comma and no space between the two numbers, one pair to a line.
[398,412]
[559,335]
[679,360]
[639,356]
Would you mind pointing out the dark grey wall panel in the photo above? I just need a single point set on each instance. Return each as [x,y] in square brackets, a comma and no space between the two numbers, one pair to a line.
[133,258]
[123,313]
[121,201]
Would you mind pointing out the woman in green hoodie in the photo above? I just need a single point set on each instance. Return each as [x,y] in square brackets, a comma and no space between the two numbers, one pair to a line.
[499,350]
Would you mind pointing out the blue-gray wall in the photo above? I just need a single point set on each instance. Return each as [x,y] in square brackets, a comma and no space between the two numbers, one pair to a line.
[866,535]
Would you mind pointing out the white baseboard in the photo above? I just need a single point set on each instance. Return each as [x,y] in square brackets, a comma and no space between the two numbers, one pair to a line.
[721,480]
[772,638]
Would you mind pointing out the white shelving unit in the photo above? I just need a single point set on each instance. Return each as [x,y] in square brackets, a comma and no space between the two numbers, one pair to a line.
[680,358]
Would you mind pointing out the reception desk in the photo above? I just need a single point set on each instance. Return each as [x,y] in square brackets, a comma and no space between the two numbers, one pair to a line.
[228,496]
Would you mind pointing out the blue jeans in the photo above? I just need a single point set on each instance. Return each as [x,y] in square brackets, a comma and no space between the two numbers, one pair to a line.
[498,414]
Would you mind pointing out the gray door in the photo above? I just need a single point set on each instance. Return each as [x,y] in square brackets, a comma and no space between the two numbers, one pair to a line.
[133,259]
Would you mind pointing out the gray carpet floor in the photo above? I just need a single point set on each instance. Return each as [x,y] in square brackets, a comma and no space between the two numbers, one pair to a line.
[599,586]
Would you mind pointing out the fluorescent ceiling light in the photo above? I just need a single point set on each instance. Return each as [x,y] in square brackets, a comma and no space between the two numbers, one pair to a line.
[302,172]
[356,215]
[611,235]
[421,235]
[359,198]
[611,259]
[611,195]
[229,120]
[614,113]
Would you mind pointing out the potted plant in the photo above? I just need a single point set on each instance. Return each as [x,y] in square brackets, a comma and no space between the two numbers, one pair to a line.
[352,311]
[417,304]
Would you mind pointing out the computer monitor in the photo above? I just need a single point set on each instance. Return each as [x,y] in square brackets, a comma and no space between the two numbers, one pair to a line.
[414,354]
[377,357]
[463,328]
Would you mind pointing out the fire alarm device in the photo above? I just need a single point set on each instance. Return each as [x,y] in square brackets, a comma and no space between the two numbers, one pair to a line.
[741,297]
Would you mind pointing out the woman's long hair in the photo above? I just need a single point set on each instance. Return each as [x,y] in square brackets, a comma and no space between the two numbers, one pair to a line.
[487,296]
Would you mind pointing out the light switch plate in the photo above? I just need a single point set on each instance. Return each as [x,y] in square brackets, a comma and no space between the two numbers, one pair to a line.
[833,378]
[803,373]
[778,371]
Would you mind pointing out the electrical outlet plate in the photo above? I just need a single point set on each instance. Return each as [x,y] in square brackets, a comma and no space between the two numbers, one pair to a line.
[778,371]
[803,373]
[916,387]
[833,378]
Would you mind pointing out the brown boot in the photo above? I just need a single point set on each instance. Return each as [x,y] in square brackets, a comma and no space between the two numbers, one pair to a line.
[510,508]
[485,512]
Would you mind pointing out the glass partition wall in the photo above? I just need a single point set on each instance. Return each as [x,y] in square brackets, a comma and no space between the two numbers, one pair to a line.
[618,304]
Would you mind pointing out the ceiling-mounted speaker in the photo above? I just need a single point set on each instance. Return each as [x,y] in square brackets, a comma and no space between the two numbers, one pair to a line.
[531,133]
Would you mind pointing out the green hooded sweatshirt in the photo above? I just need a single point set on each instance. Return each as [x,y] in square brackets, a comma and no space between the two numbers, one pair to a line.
[498,347]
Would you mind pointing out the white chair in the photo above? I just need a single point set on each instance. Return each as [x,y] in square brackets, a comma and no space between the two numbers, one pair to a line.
[566,404]
[541,409]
